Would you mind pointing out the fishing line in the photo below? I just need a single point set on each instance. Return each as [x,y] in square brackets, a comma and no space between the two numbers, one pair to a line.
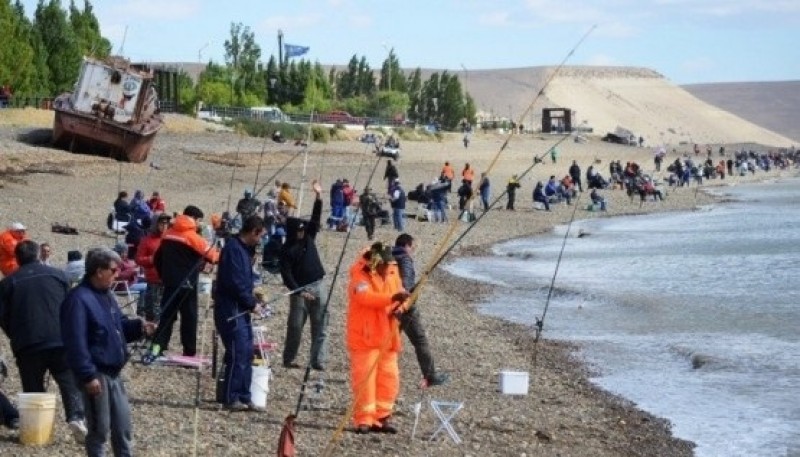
[283,167]
[260,159]
[233,171]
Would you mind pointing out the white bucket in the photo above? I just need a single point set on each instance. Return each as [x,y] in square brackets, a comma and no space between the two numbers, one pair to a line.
[514,382]
[259,386]
[204,285]
[37,413]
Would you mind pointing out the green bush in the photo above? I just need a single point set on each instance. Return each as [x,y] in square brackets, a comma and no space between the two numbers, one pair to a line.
[320,134]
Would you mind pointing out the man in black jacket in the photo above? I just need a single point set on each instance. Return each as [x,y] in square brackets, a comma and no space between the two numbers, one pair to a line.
[575,174]
[411,321]
[302,273]
[30,303]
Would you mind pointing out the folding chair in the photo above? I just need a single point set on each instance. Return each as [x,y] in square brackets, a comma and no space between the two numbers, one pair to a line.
[445,411]
[121,289]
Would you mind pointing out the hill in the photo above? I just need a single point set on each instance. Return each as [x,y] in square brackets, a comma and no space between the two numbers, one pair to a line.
[638,99]
[774,105]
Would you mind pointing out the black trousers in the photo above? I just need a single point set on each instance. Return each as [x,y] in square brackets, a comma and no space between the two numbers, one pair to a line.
[369,225]
[8,413]
[411,324]
[184,303]
[510,204]
[34,365]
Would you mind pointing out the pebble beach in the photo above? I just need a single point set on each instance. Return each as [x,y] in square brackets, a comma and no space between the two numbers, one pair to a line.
[174,412]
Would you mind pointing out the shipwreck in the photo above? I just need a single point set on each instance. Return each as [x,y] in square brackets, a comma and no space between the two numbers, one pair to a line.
[113,111]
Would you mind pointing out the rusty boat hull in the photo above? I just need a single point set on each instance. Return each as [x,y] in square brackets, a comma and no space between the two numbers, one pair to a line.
[112,112]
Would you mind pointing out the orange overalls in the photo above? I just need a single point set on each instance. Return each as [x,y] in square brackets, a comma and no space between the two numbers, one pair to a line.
[8,260]
[373,338]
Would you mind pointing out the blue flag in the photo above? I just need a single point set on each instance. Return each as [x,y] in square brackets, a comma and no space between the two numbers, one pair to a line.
[292,50]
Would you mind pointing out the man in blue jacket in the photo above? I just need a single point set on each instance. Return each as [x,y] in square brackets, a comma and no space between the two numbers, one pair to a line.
[95,333]
[233,301]
[30,301]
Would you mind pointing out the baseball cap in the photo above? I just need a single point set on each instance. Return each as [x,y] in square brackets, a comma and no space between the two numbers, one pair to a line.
[17,226]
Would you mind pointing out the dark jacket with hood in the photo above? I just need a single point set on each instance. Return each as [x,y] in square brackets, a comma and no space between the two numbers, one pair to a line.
[179,257]
[30,302]
[300,262]
[96,332]
[406,266]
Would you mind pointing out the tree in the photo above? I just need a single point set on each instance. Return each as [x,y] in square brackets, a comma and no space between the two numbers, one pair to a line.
[242,55]
[60,44]
[414,87]
[18,56]
[87,31]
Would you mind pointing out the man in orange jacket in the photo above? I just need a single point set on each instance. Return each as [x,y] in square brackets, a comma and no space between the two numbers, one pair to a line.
[178,261]
[449,175]
[373,339]
[8,242]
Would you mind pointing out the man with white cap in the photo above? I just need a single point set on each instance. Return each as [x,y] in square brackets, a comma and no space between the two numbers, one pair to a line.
[8,242]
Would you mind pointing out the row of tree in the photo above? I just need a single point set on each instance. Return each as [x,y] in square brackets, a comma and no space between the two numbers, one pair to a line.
[300,86]
[41,57]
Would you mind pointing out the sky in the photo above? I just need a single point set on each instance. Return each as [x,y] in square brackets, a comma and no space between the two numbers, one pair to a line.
[687,41]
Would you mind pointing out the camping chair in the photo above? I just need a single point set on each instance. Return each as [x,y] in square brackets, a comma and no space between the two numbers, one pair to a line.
[122,290]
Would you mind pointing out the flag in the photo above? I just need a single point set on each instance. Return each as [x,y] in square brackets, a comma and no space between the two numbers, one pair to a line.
[293,50]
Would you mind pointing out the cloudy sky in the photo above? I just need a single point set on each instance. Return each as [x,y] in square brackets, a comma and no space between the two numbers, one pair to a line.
[688,41]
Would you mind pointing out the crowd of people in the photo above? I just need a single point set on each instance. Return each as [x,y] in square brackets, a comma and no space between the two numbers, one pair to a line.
[68,322]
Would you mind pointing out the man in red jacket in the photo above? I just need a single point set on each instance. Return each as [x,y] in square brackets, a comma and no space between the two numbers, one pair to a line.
[149,302]
[8,242]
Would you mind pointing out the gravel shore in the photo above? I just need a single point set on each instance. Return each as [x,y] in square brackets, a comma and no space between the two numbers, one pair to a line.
[563,415]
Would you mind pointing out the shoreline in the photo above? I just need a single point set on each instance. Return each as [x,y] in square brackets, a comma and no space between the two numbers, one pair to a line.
[564,414]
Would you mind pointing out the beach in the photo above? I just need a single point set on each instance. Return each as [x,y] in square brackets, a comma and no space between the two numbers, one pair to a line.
[563,414]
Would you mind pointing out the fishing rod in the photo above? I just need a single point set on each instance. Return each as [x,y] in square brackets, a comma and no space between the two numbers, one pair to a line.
[438,254]
[277,297]
[260,159]
[283,167]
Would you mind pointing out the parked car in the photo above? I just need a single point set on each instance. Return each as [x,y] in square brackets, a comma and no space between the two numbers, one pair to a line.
[340,117]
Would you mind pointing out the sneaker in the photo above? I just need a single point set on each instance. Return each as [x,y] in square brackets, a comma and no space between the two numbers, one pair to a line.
[78,430]
[291,365]
[363,429]
[236,406]
[318,367]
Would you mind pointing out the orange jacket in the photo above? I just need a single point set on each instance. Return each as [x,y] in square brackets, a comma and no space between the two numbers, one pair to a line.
[8,261]
[286,198]
[468,174]
[144,257]
[184,230]
[448,172]
[370,305]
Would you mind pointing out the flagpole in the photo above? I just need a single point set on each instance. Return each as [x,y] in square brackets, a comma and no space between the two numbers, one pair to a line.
[280,48]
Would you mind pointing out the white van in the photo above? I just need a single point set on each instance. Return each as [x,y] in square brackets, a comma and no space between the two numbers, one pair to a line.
[269,113]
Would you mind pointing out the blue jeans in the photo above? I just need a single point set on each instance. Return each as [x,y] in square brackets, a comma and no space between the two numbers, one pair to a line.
[398,217]
[300,310]
[108,413]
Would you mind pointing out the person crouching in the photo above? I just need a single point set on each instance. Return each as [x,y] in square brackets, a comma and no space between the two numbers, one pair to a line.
[373,339]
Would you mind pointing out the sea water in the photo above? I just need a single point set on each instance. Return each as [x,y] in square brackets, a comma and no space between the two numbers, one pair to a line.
[693,316]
